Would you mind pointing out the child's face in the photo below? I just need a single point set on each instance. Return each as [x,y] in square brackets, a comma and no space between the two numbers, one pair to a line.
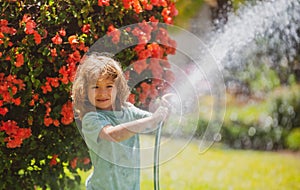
[102,94]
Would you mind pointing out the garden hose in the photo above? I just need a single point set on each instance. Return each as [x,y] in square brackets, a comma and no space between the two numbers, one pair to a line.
[157,142]
[156,156]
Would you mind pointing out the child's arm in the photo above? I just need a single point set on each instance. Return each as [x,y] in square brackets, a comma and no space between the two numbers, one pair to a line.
[124,131]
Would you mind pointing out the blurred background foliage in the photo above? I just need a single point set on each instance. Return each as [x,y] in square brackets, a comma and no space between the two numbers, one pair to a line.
[263,95]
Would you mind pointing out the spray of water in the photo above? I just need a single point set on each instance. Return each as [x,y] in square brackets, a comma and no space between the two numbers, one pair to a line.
[274,21]
[254,28]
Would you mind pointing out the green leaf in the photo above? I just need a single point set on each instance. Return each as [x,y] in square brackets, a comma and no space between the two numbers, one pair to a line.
[51,2]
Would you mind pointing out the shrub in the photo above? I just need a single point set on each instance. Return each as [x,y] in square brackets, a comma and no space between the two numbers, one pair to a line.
[271,132]
[41,44]
[251,136]
[293,139]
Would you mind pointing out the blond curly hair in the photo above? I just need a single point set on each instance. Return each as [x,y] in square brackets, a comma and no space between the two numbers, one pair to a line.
[91,68]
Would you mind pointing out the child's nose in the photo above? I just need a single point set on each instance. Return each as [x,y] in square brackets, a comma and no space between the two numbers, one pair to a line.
[103,91]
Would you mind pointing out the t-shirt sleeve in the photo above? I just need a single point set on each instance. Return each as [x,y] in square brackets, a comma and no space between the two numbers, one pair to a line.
[92,124]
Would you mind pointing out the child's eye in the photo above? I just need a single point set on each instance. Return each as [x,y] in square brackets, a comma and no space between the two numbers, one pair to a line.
[94,87]
[109,86]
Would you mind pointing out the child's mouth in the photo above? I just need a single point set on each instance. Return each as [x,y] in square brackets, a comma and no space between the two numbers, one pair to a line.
[102,100]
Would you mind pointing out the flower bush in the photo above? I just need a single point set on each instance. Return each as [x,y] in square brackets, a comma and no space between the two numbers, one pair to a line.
[41,44]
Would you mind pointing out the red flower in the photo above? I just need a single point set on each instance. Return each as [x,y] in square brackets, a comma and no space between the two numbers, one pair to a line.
[16,135]
[147,6]
[143,97]
[171,48]
[114,33]
[156,50]
[143,32]
[19,60]
[162,36]
[54,82]
[9,86]
[3,111]
[5,29]
[53,52]
[64,72]
[83,47]
[137,6]
[153,91]
[37,37]
[168,20]
[56,123]
[26,18]
[48,109]
[156,68]
[145,27]
[74,57]
[17,101]
[35,97]
[67,113]
[131,98]
[31,103]
[174,11]
[103,2]
[72,40]
[86,28]
[140,66]
[127,4]
[144,54]
[3,22]
[162,3]
[139,47]
[53,160]
[62,32]
[168,13]
[73,163]
[145,87]
[46,88]
[153,19]
[56,39]
[86,161]
[48,121]
[30,26]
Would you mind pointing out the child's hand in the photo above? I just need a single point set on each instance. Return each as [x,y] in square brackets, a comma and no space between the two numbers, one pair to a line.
[170,101]
[161,114]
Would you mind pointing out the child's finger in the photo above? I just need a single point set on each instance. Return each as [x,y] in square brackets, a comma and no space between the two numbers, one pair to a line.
[161,113]
[164,112]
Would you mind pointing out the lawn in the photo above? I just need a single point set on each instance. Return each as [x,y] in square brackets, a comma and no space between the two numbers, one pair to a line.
[221,168]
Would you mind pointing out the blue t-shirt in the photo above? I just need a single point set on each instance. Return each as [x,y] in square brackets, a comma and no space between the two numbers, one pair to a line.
[116,164]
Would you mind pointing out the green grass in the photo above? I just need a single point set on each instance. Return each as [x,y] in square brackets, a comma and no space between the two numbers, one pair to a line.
[220,168]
